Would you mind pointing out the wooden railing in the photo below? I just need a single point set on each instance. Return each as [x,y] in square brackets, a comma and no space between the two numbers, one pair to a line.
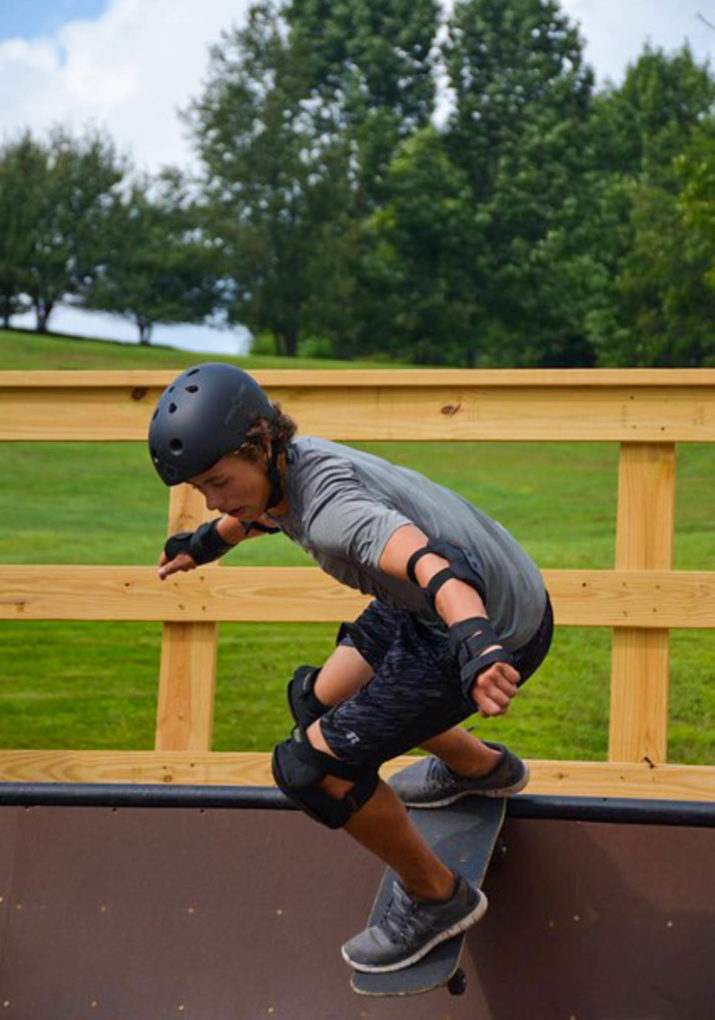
[646,411]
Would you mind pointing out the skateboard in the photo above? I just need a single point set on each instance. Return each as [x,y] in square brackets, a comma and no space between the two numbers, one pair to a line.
[464,835]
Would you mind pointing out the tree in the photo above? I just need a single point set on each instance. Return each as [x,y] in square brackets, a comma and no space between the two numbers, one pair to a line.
[666,284]
[72,192]
[370,78]
[654,308]
[514,150]
[420,255]
[22,177]
[159,263]
[643,124]
[269,182]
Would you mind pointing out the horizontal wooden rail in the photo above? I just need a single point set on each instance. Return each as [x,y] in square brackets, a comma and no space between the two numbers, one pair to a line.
[605,598]
[648,405]
[548,778]
[647,411]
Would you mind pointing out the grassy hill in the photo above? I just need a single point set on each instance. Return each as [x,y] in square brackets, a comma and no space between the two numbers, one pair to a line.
[24,350]
[93,685]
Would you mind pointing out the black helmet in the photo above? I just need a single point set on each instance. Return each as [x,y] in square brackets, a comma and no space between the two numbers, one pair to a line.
[204,414]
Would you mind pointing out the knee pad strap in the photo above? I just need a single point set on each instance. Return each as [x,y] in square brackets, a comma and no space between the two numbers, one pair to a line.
[302,702]
[298,769]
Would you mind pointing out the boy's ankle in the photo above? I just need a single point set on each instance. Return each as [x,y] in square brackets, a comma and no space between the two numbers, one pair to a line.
[486,765]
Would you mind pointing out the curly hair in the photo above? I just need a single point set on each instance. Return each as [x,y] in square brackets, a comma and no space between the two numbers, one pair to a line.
[279,429]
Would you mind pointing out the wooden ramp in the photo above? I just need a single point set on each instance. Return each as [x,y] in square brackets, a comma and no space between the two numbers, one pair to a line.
[233,908]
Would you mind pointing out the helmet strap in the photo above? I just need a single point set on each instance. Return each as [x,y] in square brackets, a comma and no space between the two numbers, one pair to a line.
[274,476]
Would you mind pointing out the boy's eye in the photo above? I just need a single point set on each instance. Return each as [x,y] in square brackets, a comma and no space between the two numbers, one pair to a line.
[219,485]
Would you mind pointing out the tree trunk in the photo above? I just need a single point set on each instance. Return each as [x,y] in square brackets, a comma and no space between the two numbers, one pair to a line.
[43,308]
[145,328]
[288,342]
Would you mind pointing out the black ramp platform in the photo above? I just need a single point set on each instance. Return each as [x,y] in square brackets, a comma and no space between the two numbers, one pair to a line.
[216,914]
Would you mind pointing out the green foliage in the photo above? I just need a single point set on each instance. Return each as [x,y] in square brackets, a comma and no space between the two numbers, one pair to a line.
[530,220]
[55,239]
[654,143]
[159,265]
[22,165]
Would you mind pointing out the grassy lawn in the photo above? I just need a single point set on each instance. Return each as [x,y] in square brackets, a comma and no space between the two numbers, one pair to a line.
[93,685]
[28,351]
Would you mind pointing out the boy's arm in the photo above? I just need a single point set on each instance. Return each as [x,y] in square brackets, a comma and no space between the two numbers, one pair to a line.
[230,530]
[494,686]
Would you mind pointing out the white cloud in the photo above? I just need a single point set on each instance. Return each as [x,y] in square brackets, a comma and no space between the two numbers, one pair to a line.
[616,31]
[128,71]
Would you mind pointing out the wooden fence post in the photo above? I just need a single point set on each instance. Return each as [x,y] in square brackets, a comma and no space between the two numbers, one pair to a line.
[640,659]
[187,677]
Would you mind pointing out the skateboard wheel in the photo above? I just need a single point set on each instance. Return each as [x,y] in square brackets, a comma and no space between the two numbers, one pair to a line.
[457,984]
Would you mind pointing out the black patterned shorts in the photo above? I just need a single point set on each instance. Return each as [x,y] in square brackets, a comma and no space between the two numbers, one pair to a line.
[415,693]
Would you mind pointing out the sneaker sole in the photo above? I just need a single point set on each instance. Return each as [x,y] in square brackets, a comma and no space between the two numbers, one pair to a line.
[505,791]
[443,936]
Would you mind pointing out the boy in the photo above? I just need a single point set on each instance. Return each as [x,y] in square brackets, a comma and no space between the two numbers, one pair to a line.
[460,619]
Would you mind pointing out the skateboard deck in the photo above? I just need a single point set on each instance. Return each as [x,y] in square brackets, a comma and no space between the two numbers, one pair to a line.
[464,836]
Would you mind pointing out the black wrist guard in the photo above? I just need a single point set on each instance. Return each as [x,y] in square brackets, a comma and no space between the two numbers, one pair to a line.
[203,545]
[469,640]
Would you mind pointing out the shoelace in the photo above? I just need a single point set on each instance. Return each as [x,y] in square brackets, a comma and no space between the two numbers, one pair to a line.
[400,919]
[436,774]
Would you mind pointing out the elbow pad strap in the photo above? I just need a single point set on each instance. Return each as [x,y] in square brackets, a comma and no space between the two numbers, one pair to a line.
[459,568]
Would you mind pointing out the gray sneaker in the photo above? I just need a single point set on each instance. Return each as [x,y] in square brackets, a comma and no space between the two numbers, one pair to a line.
[409,929]
[429,783]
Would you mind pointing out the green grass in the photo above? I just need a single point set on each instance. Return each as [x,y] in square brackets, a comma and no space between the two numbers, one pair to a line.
[28,351]
[93,685]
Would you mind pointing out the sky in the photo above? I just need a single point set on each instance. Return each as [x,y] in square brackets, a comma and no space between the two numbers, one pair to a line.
[128,66]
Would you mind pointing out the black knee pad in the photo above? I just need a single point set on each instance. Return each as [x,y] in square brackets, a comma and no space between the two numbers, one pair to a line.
[302,702]
[298,769]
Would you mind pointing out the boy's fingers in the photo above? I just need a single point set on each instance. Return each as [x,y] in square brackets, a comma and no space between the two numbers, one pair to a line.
[181,562]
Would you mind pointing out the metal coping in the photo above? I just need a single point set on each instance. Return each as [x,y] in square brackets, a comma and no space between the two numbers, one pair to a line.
[155,795]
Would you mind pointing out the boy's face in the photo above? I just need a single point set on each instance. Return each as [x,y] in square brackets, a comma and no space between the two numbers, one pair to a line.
[233,486]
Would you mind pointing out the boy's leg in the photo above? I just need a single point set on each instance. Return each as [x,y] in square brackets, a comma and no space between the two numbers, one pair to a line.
[346,671]
[463,753]
[382,826]
[343,673]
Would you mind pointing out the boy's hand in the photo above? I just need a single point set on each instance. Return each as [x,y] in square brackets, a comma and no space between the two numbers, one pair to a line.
[181,562]
[494,689]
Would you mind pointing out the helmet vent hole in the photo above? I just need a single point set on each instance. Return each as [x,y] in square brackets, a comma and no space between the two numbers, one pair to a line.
[192,389]
[153,417]
[172,408]
[176,446]
[192,372]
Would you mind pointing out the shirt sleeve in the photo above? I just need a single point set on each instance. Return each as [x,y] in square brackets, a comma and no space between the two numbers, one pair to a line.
[345,520]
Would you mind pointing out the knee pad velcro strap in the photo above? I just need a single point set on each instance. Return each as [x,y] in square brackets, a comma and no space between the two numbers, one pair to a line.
[302,702]
[298,769]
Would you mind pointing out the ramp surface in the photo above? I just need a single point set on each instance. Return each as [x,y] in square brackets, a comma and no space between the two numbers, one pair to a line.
[211,914]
